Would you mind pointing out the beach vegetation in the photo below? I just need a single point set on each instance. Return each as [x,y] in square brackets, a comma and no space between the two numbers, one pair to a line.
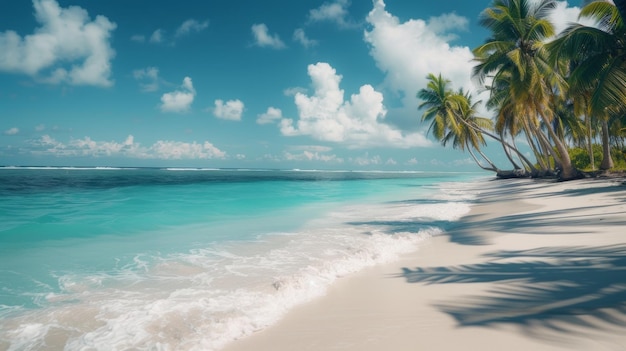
[561,94]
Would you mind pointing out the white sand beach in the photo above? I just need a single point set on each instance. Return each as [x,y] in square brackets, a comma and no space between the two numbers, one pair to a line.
[534,266]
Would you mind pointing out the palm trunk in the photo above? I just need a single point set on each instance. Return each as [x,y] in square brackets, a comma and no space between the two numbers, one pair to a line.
[479,130]
[508,153]
[493,169]
[607,160]
[538,156]
[568,172]
[592,160]
[488,160]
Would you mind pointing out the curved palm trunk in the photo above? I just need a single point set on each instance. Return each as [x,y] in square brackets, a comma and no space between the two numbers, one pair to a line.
[538,156]
[589,138]
[568,172]
[492,168]
[508,153]
[607,160]
[521,156]
[488,160]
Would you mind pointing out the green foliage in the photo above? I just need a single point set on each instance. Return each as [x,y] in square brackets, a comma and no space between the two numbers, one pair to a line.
[581,160]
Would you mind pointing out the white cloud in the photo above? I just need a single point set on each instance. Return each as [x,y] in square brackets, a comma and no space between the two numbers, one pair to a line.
[312,156]
[191,25]
[157,36]
[179,150]
[138,38]
[391,162]
[264,39]
[563,16]
[412,161]
[408,51]
[12,131]
[67,47]
[40,127]
[334,12]
[179,100]
[366,160]
[165,150]
[300,36]
[270,116]
[313,148]
[231,110]
[293,91]
[357,123]
[148,78]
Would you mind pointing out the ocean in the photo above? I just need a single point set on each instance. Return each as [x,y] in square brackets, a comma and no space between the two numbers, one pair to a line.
[191,259]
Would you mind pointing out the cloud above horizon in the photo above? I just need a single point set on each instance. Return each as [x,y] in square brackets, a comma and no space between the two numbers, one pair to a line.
[356,123]
[12,131]
[300,36]
[408,51]
[180,100]
[231,110]
[336,12]
[162,149]
[272,115]
[263,39]
[148,78]
[160,36]
[67,47]
[191,25]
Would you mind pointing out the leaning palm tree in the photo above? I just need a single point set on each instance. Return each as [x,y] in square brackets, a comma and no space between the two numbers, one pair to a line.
[598,58]
[444,109]
[516,50]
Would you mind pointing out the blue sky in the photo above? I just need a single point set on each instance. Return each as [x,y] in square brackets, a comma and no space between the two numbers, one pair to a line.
[227,83]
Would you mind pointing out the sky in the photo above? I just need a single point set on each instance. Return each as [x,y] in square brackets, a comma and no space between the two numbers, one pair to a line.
[283,84]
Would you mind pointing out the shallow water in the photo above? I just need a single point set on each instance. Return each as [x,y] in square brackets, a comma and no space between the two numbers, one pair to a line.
[175,259]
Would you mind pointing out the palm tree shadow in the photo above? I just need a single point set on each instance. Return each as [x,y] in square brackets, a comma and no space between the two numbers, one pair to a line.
[547,292]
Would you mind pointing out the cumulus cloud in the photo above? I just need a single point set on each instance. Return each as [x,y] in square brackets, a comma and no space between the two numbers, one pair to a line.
[412,162]
[148,78]
[270,116]
[357,123]
[179,100]
[563,16]
[300,36]
[231,110]
[307,155]
[293,91]
[408,51]
[12,131]
[264,39]
[366,160]
[157,36]
[162,149]
[191,25]
[160,36]
[336,12]
[67,47]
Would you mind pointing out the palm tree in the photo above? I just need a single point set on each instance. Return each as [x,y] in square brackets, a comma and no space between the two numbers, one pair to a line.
[598,59]
[516,53]
[444,109]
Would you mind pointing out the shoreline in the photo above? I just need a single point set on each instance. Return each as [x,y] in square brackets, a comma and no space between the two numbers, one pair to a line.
[534,265]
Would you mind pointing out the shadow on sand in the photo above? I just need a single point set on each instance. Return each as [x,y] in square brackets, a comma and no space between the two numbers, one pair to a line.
[545,291]
[549,293]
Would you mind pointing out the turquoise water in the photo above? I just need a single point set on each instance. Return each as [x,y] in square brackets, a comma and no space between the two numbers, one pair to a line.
[192,259]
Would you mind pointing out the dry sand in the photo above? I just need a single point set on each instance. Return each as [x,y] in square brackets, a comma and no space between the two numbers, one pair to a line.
[533,266]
